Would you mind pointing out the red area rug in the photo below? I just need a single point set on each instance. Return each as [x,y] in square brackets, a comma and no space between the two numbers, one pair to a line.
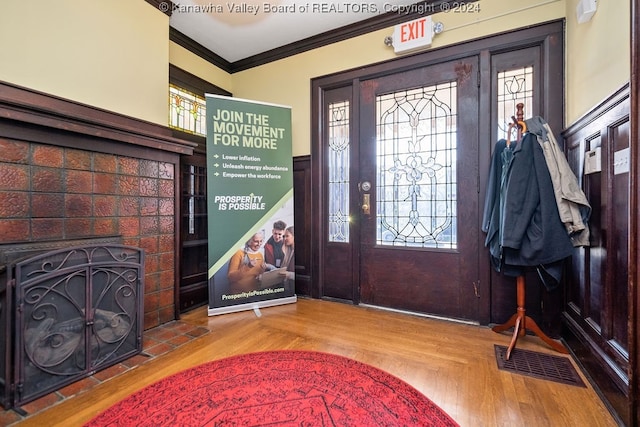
[279,388]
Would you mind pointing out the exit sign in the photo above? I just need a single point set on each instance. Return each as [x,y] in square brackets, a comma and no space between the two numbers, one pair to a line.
[412,35]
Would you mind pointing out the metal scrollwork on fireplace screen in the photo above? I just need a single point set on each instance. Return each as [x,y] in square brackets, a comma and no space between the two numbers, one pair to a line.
[80,310]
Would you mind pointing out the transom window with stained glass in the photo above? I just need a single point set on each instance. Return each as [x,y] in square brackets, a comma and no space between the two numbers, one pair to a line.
[187,111]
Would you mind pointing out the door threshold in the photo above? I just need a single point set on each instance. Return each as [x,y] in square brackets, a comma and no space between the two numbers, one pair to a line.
[428,316]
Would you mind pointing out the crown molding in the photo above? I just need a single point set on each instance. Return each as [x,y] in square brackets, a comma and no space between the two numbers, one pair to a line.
[197,49]
[165,6]
[333,36]
[340,34]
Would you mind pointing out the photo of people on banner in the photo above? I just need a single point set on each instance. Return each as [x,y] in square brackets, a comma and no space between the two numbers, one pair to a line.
[264,265]
[258,267]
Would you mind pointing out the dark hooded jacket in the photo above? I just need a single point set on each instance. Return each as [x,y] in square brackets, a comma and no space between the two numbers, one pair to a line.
[521,216]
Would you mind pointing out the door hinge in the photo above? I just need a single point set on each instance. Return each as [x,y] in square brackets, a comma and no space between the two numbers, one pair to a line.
[476,288]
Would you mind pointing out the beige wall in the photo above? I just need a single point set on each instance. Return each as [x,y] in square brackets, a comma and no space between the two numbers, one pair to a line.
[289,79]
[111,54]
[184,59]
[114,54]
[597,56]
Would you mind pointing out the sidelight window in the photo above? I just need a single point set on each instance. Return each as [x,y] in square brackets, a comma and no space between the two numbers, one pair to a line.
[514,86]
[338,161]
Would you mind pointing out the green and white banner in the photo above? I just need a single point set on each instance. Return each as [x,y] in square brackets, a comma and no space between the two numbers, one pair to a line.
[249,200]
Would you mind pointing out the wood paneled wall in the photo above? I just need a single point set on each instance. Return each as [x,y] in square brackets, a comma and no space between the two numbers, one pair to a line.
[302,221]
[597,301]
[69,170]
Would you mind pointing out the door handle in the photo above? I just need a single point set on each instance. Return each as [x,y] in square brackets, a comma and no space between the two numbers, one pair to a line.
[366,204]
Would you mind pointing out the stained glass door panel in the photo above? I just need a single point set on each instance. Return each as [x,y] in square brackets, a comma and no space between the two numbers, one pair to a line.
[419,155]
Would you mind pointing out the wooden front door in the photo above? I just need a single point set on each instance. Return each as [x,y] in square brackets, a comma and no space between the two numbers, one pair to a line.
[415,135]
[419,151]
[403,200]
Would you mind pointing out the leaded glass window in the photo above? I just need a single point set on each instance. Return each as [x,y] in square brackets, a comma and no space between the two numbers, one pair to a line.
[187,111]
[338,161]
[416,162]
[514,86]
[194,196]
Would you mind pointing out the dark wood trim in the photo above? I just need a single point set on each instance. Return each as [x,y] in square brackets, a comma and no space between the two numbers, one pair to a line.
[165,6]
[529,36]
[27,106]
[375,23]
[582,352]
[36,117]
[611,373]
[200,141]
[197,49]
[190,292]
[634,222]
[609,103]
[302,221]
[340,34]
[537,35]
[177,238]
[484,151]
[193,83]
[43,135]
[318,206]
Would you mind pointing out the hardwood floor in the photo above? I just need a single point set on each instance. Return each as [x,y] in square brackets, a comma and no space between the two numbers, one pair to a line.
[451,363]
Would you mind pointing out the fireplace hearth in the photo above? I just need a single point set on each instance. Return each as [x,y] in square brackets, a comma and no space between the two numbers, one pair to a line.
[66,313]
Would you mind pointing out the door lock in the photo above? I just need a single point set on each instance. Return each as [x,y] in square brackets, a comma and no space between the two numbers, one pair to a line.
[366,204]
[365,187]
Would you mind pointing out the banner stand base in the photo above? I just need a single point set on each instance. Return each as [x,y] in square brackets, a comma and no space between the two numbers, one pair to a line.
[255,306]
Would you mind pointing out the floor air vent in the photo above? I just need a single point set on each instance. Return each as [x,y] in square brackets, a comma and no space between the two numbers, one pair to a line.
[538,365]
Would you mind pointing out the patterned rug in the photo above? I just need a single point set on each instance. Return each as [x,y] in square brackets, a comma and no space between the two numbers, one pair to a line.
[278,388]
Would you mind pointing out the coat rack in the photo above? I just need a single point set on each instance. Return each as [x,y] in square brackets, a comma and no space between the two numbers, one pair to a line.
[520,322]
[517,123]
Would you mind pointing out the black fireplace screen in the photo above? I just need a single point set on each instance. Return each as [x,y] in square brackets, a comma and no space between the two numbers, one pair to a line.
[74,311]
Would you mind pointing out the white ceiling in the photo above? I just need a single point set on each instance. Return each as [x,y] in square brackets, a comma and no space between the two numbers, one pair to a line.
[238,29]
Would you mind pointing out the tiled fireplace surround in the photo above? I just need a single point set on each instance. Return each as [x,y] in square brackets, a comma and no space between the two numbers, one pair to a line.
[70,171]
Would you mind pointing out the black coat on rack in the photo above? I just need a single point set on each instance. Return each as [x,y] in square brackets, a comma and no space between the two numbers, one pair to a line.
[529,231]
[521,216]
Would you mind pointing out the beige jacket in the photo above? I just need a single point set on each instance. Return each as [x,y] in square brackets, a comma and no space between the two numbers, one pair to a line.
[573,206]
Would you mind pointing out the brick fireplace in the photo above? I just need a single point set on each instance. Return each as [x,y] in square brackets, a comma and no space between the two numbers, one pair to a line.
[68,170]
[68,309]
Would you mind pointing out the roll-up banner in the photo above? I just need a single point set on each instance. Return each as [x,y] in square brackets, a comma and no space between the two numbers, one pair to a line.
[249,205]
